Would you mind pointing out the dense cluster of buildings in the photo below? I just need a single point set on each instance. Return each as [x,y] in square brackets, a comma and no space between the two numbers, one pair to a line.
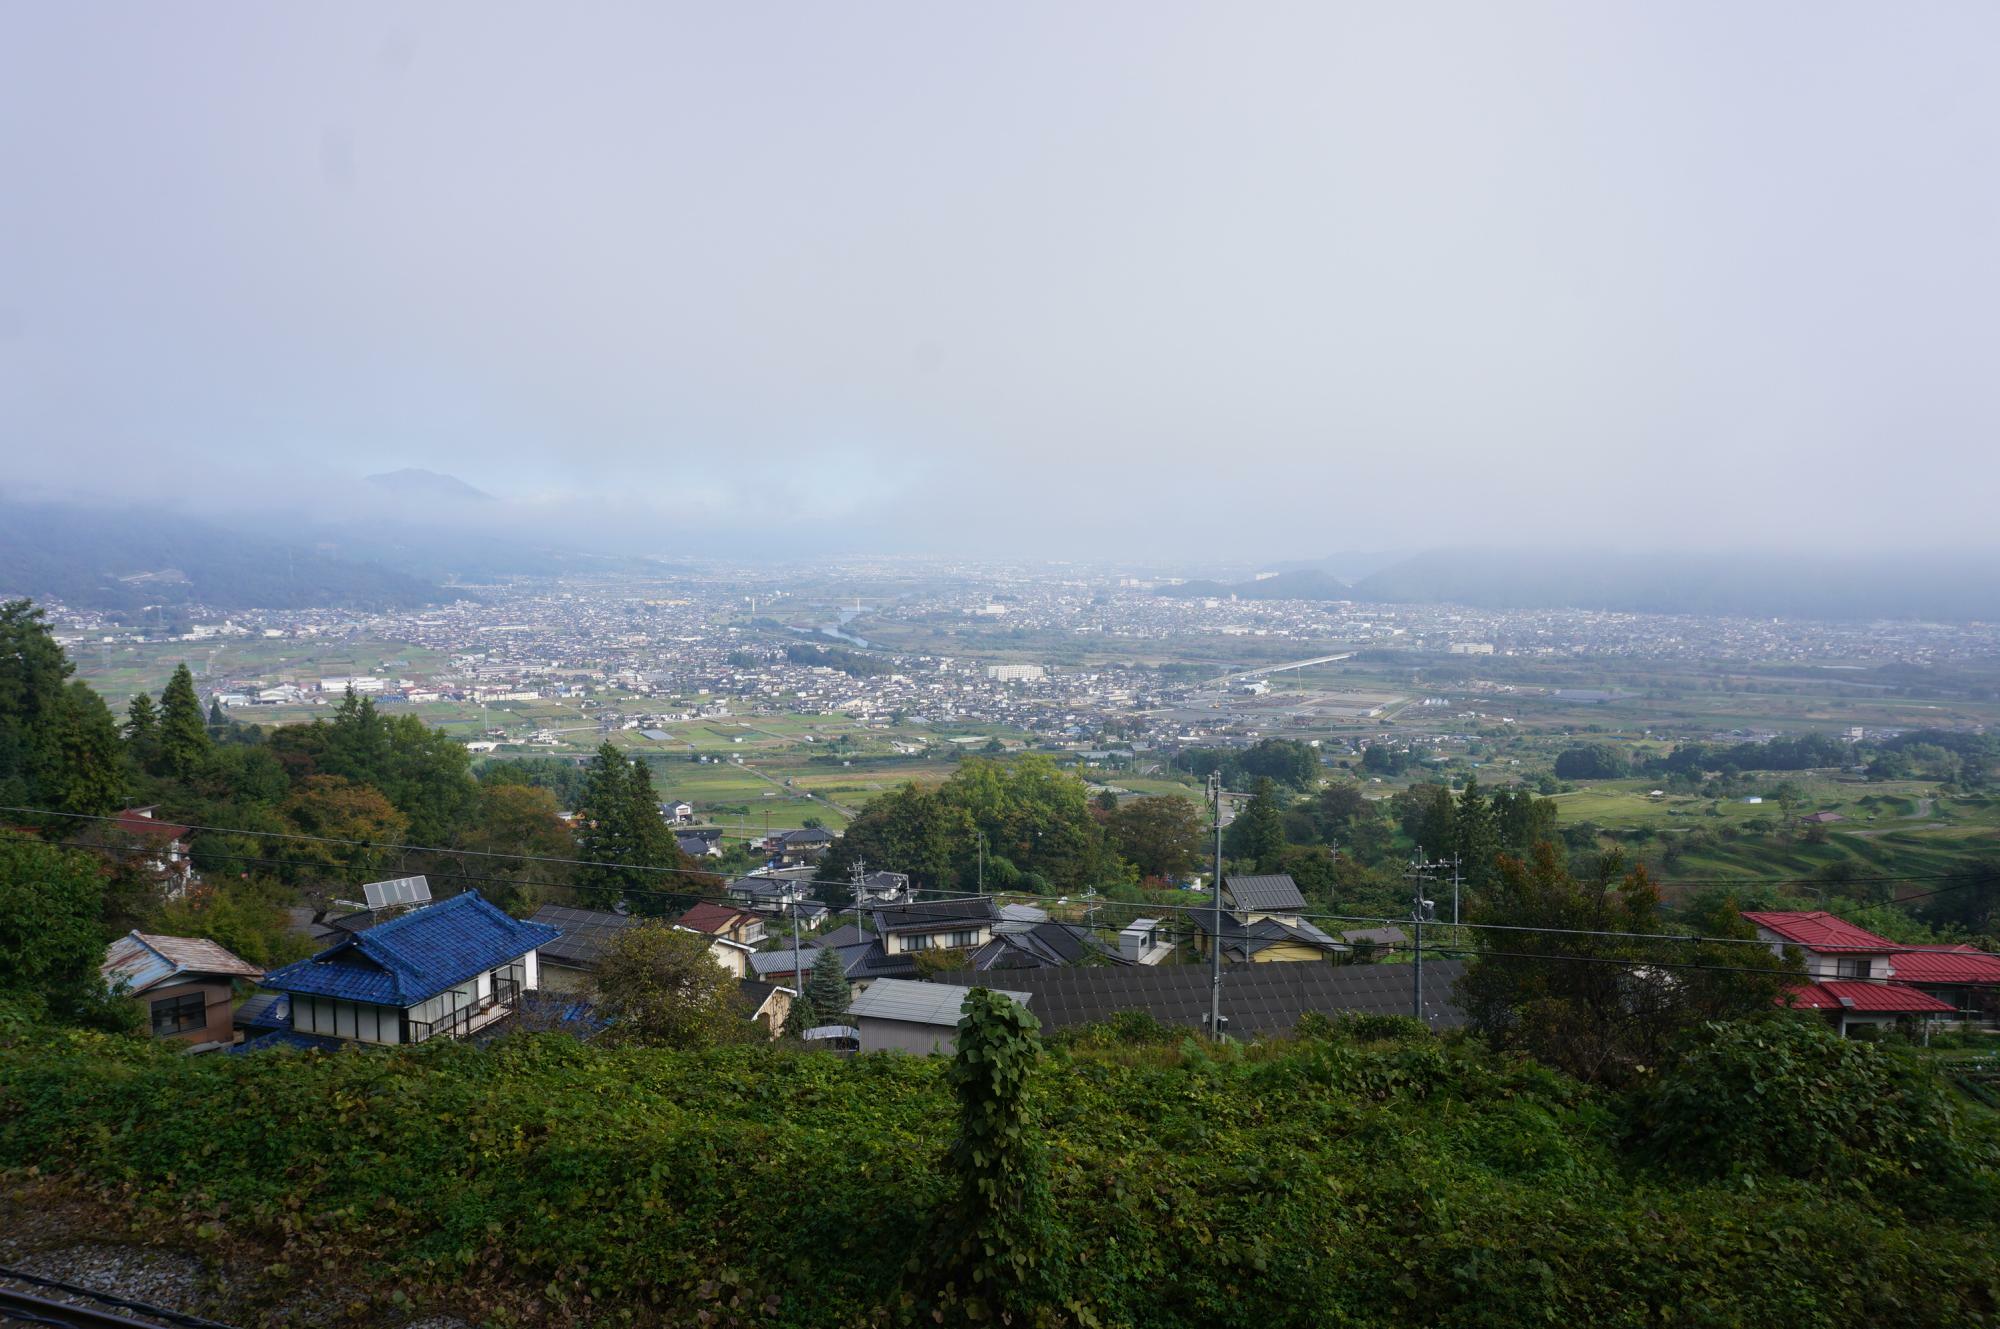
[985,650]
[406,969]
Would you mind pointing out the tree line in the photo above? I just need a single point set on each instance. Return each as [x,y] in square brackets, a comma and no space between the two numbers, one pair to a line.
[311,811]
[1944,755]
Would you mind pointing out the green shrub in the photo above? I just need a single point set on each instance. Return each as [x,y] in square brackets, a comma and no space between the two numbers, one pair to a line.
[1789,1097]
[1120,1029]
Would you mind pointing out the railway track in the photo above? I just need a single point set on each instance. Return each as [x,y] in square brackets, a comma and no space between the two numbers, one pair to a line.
[30,1299]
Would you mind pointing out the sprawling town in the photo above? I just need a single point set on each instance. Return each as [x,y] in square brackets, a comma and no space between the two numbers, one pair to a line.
[1153,665]
[1062,657]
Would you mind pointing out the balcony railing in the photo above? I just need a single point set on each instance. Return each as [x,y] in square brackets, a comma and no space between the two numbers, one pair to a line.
[470,1018]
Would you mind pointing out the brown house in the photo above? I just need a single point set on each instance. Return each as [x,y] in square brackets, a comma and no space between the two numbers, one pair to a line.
[185,983]
[724,922]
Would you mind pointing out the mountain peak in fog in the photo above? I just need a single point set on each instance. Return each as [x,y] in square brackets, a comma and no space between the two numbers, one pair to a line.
[415,481]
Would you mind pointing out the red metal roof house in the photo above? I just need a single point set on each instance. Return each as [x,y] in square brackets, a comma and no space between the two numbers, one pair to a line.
[1861,978]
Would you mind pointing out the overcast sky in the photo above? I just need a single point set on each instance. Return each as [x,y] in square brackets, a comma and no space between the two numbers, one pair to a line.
[1078,278]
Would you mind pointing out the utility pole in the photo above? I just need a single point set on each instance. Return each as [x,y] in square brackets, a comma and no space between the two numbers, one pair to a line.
[798,979]
[982,860]
[1215,936]
[1454,890]
[1420,913]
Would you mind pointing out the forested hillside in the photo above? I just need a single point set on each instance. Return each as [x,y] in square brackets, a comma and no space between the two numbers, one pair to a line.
[125,560]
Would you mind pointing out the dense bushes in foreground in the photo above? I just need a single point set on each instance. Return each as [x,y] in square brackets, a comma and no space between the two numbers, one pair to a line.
[1324,1181]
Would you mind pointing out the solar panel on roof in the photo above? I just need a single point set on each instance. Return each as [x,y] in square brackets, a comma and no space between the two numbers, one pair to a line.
[397,890]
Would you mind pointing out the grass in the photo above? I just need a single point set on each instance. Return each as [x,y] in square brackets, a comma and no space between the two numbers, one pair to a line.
[1890,828]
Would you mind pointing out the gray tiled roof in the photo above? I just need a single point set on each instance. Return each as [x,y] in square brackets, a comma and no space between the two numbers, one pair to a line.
[585,933]
[918,1003]
[1276,891]
[361,920]
[1045,944]
[1020,917]
[862,959]
[933,915]
[783,961]
[1242,940]
[1256,998]
[873,961]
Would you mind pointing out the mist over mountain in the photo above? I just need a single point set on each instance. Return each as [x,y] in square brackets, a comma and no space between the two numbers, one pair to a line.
[429,525]
[1826,585]
[413,536]
[126,559]
[1349,566]
[417,482]
[1830,584]
[1306,585]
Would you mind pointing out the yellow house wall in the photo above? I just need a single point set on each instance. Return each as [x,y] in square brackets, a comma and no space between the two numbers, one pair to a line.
[1287,950]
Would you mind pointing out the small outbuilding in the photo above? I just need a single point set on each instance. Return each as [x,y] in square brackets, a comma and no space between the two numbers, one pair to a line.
[186,983]
[903,1015]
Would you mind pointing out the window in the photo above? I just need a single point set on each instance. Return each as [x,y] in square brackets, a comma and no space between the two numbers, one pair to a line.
[180,1015]
[516,974]
[1851,968]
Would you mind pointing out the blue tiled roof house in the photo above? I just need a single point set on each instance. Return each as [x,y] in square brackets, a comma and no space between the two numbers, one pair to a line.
[446,969]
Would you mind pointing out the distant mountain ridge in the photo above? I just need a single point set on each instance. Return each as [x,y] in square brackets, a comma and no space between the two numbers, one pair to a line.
[416,482]
[122,560]
[1305,585]
[1824,584]
[1829,584]
[1349,565]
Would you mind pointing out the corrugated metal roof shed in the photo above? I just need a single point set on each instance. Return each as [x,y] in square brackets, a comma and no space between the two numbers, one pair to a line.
[139,961]
[917,1003]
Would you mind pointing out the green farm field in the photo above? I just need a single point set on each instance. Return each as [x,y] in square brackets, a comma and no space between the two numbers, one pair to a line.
[120,671]
[1884,828]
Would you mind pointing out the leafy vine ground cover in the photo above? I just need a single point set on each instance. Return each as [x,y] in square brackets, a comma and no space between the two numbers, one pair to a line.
[1320,1181]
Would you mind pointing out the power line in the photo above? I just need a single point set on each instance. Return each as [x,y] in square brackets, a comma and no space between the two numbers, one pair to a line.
[1637,962]
[695,897]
